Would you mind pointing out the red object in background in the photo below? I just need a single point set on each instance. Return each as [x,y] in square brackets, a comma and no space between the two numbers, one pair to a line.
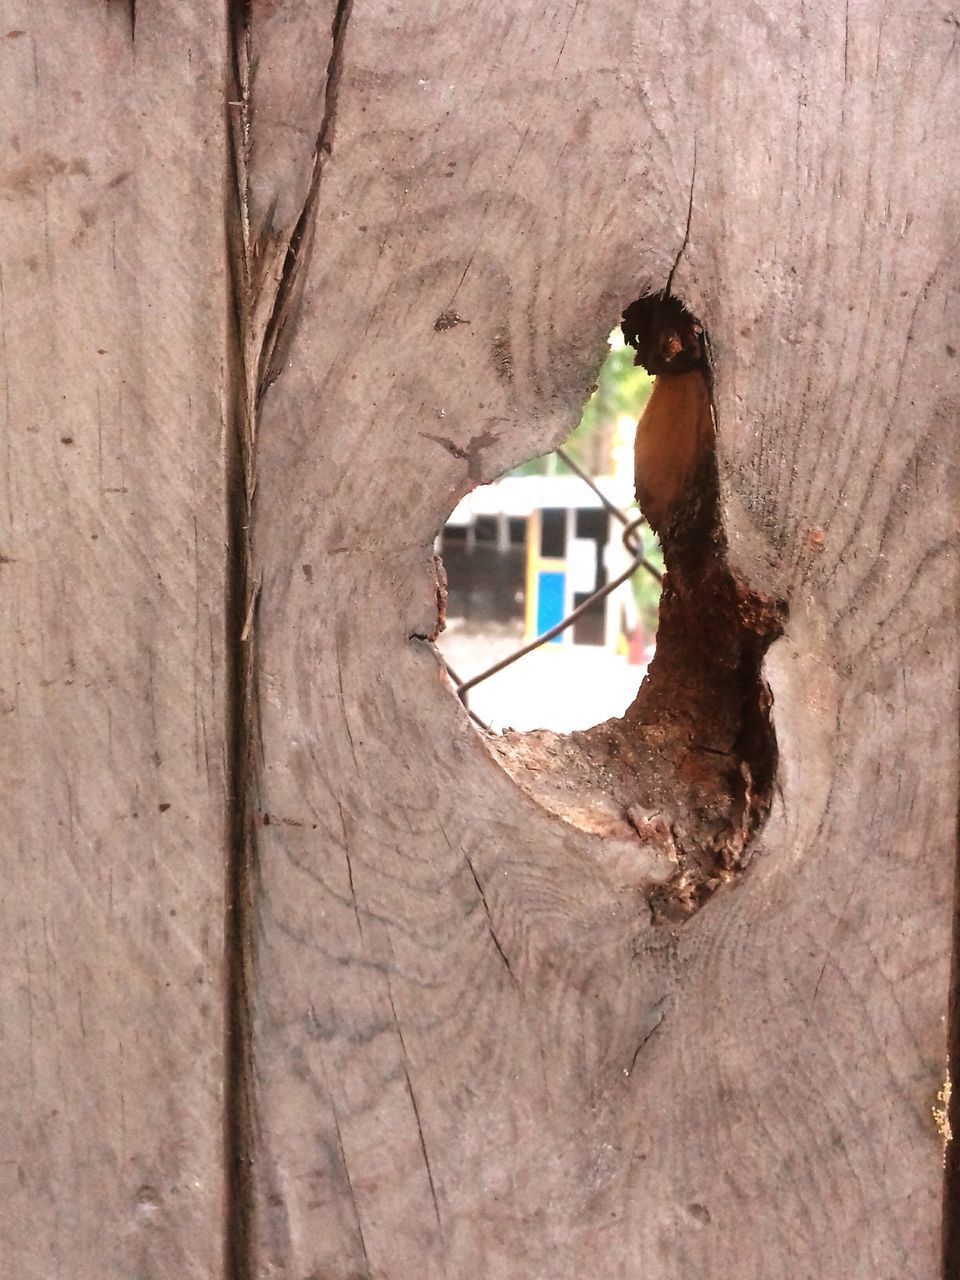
[636,647]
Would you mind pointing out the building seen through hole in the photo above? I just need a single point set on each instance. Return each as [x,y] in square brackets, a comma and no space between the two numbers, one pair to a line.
[524,553]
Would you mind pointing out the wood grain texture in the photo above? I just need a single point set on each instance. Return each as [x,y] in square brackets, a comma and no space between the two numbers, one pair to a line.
[473,1054]
[112,679]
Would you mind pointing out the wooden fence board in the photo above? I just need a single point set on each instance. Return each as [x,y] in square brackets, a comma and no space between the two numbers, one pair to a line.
[280,283]
[112,586]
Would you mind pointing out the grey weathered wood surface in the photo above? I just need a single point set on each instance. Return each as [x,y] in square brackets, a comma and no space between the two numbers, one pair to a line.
[424,1109]
[112,688]
[472,1054]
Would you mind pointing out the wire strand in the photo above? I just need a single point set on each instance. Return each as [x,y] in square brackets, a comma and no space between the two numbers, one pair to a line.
[633,544]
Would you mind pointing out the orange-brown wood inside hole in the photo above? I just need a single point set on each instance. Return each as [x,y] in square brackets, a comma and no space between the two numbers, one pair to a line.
[691,763]
[674,435]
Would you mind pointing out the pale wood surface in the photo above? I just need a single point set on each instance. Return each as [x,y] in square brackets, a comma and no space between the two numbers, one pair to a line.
[450,986]
[472,1052]
[112,687]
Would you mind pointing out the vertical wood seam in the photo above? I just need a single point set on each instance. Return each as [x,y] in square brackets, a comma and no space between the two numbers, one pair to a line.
[250,367]
[240,603]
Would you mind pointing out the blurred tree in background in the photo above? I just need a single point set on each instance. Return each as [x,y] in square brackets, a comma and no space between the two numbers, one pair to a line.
[621,392]
[602,444]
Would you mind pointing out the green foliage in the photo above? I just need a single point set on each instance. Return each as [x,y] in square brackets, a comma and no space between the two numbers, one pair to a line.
[622,390]
[646,589]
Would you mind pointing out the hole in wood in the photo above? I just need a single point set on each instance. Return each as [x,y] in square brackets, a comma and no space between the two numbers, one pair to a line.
[552,552]
[688,769]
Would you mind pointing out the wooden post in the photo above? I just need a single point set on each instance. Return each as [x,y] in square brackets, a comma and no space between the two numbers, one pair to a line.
[298,980]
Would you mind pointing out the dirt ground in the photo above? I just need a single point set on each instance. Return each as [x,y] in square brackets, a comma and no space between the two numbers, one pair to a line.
[558,686]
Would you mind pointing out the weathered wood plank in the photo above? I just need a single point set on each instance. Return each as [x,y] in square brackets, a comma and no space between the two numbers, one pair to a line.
[473,1053]
[452,986]
[112,676]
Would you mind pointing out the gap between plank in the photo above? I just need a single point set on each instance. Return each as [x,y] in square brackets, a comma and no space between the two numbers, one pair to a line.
[240,603]
[254,360]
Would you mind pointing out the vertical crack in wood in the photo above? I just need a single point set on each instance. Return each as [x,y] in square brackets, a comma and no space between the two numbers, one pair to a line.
[240,701]
[290,284]
[686,231]
[489,916]
[416,1111]
[254,361]
[351,1190]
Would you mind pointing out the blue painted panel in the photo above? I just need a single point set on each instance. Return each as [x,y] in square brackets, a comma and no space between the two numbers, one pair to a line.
[549,602]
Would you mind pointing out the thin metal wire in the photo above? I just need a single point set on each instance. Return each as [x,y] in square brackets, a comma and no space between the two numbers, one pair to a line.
[463,697]
[587,479]
[633,544]
[568,621]
[631,541]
